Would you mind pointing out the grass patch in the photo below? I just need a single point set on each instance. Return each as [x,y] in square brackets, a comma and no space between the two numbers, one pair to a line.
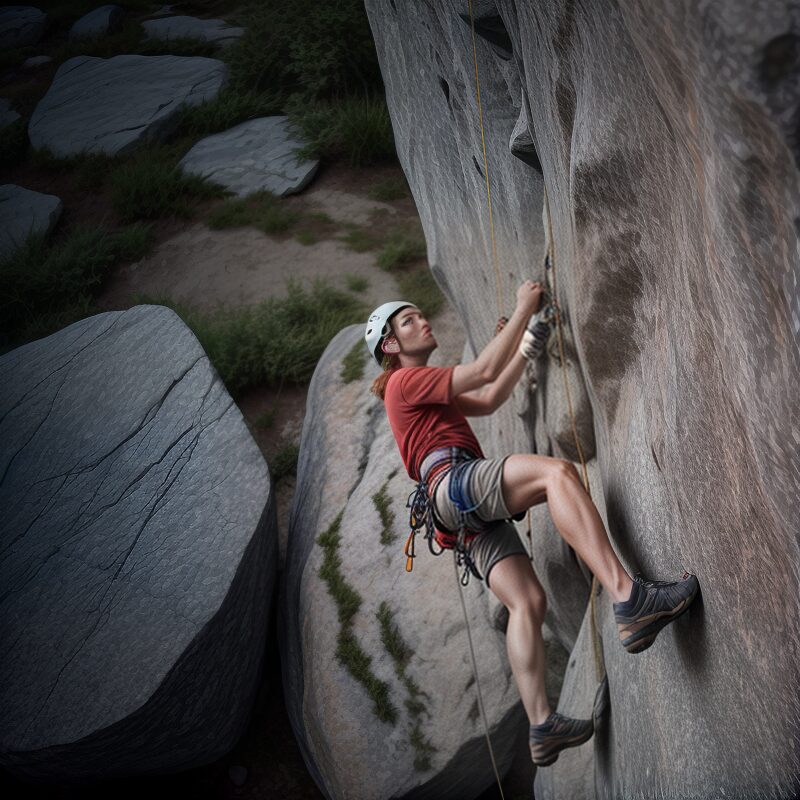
[382,503]
[401,248]
[277,340]
[227,109]
[390,189]
[356,283]
[262,210]
[44,286]
[401,653]
[359,239]
[306,238]
[355,128]
[418,286]
[353,364]
[284,462]
[152,186]
[348,650]
[266,419]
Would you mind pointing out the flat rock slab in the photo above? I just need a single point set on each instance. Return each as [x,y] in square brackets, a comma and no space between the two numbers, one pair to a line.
[254,156]
[100,22]
[21,26]
[22,213]
[208,30]
[7,114]
[138,552]
[113,105]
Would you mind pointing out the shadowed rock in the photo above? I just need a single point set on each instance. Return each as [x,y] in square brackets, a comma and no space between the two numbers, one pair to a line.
[21,26]
[113,105]
[100,22]
[667,137]
[207,30]
[254,156]
[24,213]
[138,554]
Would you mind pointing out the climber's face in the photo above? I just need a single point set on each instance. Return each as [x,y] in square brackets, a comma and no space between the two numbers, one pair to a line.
[412,332]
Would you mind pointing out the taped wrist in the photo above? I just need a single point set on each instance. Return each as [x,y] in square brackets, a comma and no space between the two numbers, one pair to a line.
[534,339]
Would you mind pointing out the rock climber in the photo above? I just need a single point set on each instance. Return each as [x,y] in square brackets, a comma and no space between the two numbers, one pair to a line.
[473,499]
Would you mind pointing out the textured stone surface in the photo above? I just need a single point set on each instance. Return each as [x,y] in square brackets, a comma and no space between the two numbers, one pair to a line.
[667,137]
[21,26]
[7,114]
[101,21]
[111,106]
[138,552]
[208,30]
[253,156]
[344,460]
[23,213]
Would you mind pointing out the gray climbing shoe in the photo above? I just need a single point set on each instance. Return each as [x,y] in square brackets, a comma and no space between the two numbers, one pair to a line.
[651,606]
[549,738]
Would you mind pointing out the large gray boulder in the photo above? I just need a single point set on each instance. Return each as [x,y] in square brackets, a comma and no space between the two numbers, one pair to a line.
[100,22]
[25,213]
[208,30]
[139,553]
[345,588]
[113,105]
[254,156]
[667,138]
[7,114]
[21,26]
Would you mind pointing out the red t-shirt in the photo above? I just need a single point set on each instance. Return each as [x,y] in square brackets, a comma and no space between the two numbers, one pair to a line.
[422,415]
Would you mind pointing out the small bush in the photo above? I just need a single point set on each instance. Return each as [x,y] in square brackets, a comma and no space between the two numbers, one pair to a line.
[262,210]
[284,462]
[419,287]
[354,128]
[306,238]
[154,186]
[359,239]
[227,109]
[356,283]
[389,189]
[41,282]
[353,364]
[400,249]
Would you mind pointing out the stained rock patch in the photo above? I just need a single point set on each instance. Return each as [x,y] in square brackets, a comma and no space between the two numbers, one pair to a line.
[113,105]
[253,156]
[139,552]
[23,213]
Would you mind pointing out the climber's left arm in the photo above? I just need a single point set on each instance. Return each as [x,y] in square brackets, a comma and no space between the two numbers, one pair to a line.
[489,398]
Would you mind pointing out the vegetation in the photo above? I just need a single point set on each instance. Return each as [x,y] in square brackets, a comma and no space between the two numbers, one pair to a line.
[227,109]
[262,210]
[356,283]
[348,651]
[13,143]
[382,502]
[401,248]
[390,189]
[353,363]
[284,462]
[46,286]
[401,653]
[279,339]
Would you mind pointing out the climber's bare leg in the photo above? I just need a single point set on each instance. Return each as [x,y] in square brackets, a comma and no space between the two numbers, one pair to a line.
[530,479]
[514,582]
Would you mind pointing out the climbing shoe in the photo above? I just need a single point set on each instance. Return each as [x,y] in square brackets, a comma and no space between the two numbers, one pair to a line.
[549,738]
[651,606]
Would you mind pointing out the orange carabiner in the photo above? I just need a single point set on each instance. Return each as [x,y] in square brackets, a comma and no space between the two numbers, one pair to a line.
[409,546]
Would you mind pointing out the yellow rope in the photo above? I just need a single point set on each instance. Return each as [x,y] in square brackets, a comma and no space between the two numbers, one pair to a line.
[598,656]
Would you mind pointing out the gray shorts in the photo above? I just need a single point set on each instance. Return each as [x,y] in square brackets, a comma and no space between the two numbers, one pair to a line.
[483,484]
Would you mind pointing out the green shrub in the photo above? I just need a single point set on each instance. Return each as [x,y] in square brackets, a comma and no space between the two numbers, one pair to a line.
[277,340]
[419,287]
[359,239]
[44,284]
[356,283]
[400,249]
[382,502]
[354,128]
[262,210]
[390,189]
[227,109]
[353,364]
[284,462]
[154,186]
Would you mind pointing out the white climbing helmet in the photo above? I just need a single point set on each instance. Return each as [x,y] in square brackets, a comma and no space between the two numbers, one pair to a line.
[378,326]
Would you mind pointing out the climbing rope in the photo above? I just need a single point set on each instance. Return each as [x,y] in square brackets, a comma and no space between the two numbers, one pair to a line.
[599,668]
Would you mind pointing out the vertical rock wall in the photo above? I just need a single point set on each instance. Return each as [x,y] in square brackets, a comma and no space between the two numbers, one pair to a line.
[666,136]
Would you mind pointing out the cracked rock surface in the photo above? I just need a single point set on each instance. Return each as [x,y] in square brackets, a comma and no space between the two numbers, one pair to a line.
[138,557]
[111,106]
[254,156]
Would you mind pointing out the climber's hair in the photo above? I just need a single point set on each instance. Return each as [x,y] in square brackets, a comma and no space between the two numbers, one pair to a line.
[391,362]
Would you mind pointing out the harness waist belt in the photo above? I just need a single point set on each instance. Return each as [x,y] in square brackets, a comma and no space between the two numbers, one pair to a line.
[451,455]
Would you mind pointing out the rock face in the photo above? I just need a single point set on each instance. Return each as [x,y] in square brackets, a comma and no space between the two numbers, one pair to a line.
[254,156]
[100,22]
[345,591]
[7,114]
[111,106]
[208,30]
[24,213]
[21,26]
[666,136]
[139,552]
